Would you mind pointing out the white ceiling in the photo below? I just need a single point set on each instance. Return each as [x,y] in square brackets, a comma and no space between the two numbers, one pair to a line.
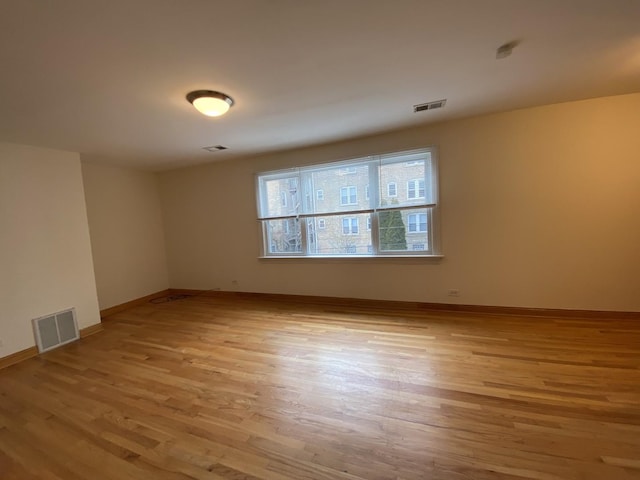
[109,78]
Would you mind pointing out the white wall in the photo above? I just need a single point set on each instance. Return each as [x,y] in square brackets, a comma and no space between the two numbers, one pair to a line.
[127,238]
[45,254]
[540,208]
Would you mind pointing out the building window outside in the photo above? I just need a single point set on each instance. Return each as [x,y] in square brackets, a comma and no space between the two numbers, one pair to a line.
[417,222]
[350,226]
[395,223]
[415,188]
[348,195]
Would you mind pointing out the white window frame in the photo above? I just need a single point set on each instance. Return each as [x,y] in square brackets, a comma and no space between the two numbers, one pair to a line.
[395,189]
[306,214]
[320,194]
[352,224]
[322,223]
[414,184]
[417,222]
[348,195]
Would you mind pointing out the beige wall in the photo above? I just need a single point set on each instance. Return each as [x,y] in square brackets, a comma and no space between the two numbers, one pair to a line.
[45,254]
[127,238]
[540,208]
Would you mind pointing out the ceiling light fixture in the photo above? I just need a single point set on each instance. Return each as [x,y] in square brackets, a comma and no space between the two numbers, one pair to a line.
[506,49]
[210,103]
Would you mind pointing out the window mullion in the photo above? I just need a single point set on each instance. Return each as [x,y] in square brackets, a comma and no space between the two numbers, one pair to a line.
[334,214]
[303,225]
[374,202]
[407,207]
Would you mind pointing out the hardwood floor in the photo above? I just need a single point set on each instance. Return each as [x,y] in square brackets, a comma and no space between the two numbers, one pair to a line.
[223,388]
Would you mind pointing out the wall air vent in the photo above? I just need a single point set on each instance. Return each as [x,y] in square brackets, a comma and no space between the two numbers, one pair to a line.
[215,148]
[429,106]
[52,331]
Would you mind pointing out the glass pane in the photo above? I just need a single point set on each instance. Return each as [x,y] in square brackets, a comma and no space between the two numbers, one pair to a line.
[343,188]
[280,196]
[283,236]
[404,230]
[405,179]
[339,235]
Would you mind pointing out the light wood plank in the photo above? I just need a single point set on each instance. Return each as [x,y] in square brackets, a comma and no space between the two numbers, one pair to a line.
[243,387]
[18,357]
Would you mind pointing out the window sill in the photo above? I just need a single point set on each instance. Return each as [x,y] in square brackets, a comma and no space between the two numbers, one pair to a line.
[351,257]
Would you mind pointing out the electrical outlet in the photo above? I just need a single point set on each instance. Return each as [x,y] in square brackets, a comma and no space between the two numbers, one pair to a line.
[453,292]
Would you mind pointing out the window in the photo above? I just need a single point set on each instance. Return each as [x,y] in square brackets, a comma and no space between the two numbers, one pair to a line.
[350,226]
[395,225]
[283,199]
[417,222]
[283,236]
[415,188]
[348,196]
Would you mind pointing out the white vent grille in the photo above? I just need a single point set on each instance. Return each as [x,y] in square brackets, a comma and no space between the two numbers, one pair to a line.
[429,106]
[52,331]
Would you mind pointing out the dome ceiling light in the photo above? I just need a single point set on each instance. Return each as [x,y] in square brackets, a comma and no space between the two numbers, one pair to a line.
[210,103]
[506,49]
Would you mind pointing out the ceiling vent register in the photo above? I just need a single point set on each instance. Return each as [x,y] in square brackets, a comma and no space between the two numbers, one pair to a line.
[429,106]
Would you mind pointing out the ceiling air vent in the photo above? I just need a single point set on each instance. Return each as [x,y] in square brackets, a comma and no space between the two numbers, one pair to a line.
[429,106]
[215,148]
